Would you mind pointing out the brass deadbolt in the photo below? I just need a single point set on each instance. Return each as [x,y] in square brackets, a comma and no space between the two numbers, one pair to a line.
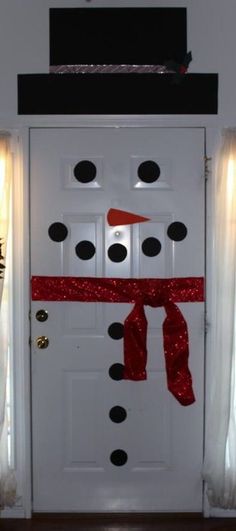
[41,315]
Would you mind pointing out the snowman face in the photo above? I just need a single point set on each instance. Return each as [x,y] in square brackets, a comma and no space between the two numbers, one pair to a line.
[117,252]
[87,175]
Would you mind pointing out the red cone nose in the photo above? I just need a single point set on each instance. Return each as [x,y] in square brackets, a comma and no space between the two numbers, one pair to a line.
[121,217]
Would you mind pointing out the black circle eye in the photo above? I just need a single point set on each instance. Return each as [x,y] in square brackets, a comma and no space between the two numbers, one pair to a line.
[151,247]
[149,171]
[85,171]
[85,250]
[58,231]
[177,231]
[117,252]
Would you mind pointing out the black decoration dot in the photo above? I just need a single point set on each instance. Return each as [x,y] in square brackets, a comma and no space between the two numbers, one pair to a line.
[149,171]
[85,250]
[151,247]
[117,252]
[116,330]
[58,231]
[85,171]
[177,231]
[117,414]
[116,371]
[118,457]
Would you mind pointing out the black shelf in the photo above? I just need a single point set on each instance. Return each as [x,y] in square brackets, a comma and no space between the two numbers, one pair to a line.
[69,94]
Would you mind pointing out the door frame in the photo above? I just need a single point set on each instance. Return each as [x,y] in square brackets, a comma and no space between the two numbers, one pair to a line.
[65,144]
[22,384]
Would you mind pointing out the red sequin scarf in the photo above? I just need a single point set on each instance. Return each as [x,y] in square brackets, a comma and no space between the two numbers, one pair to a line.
[141,292]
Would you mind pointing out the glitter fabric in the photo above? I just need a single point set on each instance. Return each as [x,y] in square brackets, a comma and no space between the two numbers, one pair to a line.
[110,69]
[142,292]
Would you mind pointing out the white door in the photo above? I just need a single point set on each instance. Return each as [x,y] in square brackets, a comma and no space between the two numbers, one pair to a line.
[100,442]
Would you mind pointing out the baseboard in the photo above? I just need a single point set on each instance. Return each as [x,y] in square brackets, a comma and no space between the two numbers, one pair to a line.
[214,512]
[14,512]
[111,517]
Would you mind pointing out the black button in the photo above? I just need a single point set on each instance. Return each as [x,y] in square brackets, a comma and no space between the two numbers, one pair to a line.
[117,414]
[116,330]
[116,371]
[118,457]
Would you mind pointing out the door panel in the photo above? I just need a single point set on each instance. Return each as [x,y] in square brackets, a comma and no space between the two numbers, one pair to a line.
[101,443]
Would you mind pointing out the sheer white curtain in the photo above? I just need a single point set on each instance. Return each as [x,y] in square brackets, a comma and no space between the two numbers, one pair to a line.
[220,451]
[7,478]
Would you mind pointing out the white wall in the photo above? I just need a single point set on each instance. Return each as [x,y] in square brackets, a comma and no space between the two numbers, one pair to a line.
[24,43]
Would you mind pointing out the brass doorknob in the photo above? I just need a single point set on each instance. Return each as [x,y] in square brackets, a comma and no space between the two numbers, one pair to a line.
[42,342]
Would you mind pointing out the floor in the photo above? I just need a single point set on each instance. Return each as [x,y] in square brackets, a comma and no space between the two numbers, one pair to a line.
[119,523]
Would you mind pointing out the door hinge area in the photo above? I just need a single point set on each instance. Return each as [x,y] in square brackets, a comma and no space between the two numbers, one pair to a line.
[207,167]
[207,324]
